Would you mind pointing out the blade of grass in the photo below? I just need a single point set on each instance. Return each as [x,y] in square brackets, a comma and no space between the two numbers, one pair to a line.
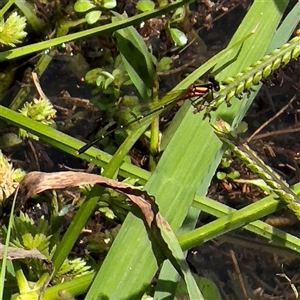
[167,281]
[281,35]
[261,208]
[142,124]
[5,252]
[81,218]
[283,39]
[69,289]
[129,142]
[230,219]
[68,144]
[177,257]
[137,60]
[6,7]
[104,29]
[268,204]
[191,157]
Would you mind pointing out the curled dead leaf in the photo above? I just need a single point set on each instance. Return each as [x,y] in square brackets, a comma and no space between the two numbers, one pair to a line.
[38,182]
[18,253]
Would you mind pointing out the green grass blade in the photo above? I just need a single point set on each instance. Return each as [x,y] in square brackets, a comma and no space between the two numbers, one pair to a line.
[70,237]
[230,219]
[286,28]
[105,29]
[191,157]
[177,258]
[133,239]
[139,127]
[68,144]
[166,285]
[5,251]
[69,289]
[137,59]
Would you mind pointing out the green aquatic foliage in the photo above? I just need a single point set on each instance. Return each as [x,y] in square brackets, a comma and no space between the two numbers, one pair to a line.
[40,110]
[72,268]
[145,5]
[9,177]
[29,234]
[12,30]
[93,9]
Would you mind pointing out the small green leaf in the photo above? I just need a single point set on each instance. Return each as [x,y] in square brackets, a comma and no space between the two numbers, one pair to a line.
[83,5]
[225,163]
[221,176]
[93,16]
[178,36]
[100,81]
[109,75]
[137,60]
[109,4]
[179,15]
[92,76]
[107,212]
[164,64]
[145,5]
[120,77]
[9,140]
[234,175]
[108,81]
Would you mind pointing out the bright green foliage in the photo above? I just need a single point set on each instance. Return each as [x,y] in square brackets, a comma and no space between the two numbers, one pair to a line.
[257,166]
[93,16]
[178,36]
[40,110]
[30,235]
[173,190]
[108,4]
[83,5]
[178,16]
[72,269]
[245,81]
[145,5]
[9,177]
[227,173]
[108,81]
[12,30]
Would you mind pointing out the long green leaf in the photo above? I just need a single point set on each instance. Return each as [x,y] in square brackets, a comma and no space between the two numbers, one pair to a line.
[68,144]
[230,219]
[137,59]
[104,29]
[190,158]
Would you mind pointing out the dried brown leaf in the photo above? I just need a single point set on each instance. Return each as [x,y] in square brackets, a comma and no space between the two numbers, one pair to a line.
[38,182]
[18,253]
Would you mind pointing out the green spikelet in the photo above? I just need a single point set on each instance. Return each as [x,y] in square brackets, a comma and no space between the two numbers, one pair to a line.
[245,82]
[12,30]
[257,166]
